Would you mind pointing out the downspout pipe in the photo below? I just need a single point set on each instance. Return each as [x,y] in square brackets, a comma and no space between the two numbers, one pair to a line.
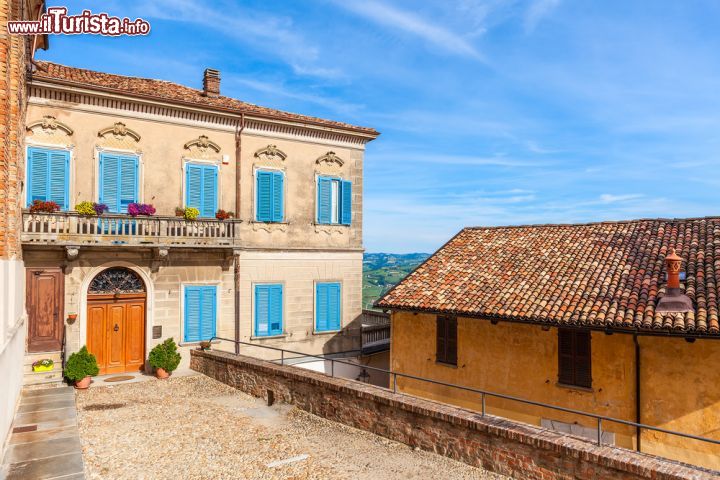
[638,416]
[238,197]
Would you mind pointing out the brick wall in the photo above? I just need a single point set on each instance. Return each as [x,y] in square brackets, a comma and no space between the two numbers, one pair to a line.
[513,449]
[13,51]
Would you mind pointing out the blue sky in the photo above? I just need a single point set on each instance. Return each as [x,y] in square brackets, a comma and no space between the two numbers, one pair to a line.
[492,112]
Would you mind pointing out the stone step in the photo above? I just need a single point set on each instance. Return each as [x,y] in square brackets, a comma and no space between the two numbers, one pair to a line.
[30,358]
[43,378]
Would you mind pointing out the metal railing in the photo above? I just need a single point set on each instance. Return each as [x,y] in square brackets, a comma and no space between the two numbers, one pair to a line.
[75,229]
[599,419]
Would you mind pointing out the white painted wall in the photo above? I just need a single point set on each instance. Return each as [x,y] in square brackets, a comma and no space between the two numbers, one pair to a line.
[12,341]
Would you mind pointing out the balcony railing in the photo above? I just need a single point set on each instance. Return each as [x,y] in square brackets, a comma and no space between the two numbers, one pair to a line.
[375,331]
[70,228]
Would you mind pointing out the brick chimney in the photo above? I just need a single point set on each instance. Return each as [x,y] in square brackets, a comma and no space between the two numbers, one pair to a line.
[211,83]
[674,300]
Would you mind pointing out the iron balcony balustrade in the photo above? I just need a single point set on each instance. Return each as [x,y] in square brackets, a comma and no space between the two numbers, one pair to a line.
[599,420]
[73,229]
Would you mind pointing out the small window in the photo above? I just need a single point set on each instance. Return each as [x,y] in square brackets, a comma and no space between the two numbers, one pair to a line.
[334,203]
[268,310]
[201,188]
[447,340]
[269,191]
[574,360]
[327,307]
[200,312]
[48,174]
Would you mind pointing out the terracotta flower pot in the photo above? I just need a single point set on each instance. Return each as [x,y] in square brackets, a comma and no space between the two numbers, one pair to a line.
[84,383]
[161,373]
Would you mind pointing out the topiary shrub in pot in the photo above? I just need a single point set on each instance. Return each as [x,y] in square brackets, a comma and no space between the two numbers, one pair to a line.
[164,358]
[80,367]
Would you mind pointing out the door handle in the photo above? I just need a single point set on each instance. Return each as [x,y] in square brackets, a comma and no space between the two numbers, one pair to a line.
[116,328]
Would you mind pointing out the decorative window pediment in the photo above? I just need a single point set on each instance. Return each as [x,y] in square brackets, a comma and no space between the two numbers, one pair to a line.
[50,130]
[330,158]
[271,155]
[119,136]
[203,143]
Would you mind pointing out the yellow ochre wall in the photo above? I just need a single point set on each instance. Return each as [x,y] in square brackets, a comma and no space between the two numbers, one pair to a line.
[521,360]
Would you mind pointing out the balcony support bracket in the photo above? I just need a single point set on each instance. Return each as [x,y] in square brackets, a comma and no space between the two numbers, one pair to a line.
[228,258]
[160,257]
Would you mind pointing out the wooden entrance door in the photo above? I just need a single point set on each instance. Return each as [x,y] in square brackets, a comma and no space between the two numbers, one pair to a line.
[44,301]
[116,332]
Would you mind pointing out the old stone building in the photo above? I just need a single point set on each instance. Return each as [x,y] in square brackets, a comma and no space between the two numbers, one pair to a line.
[16,53]
[285,269]
[586,317]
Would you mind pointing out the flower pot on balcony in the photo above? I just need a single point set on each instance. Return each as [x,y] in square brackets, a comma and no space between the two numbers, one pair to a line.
[84,383]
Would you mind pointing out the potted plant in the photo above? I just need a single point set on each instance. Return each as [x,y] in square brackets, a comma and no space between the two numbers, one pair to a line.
[205,345]
[179,212]
[223,215]
[44,365]
[164,358]
[40,206]
[144,209]
[89,209]
[191,213]
[80,367]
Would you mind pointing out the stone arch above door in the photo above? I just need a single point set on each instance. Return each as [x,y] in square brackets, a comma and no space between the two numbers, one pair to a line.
[116,280]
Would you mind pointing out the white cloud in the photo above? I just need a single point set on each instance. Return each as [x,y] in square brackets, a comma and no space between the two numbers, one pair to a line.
[609,198]
[538,10]
[409,22]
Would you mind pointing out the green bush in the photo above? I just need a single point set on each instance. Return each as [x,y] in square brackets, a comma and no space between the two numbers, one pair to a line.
[165,356]
[80,365]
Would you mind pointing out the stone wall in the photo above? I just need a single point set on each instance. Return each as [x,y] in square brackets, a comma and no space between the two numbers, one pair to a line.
[513,449]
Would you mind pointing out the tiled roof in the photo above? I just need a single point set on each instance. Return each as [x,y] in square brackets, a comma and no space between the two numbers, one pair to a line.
[608,274]
[173,92]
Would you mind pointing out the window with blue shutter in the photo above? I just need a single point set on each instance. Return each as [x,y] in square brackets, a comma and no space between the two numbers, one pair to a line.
[334,202]
[327,307]
[48,175]
[200,312]
[118,181]
[201,188]
[268,310]
[269,197]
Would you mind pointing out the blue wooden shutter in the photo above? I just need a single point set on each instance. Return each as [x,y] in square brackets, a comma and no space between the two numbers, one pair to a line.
[321,307]
[209,191]
[192,314]
[109,182]
[262,304]
[200,313]
[327,307]
[128,182]
[263,201]
[118,181]
[193,186]
[334,306]
[208,312]
[38,164]
[277,196]
[346,202]
[276,310]
[58,178]
[324,200]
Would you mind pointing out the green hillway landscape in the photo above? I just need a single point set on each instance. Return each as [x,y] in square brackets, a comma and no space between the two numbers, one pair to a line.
[383,270]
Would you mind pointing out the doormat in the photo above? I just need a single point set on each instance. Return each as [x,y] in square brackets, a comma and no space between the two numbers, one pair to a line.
[121,378]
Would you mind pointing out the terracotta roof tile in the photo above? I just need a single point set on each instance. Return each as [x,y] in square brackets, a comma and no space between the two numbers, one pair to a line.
[599,275]
[173,92]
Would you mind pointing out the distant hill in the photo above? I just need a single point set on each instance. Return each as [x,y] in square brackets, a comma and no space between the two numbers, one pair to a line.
[383,270]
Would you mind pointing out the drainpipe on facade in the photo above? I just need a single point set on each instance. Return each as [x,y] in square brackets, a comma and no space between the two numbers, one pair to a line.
[638,417]
[238,171]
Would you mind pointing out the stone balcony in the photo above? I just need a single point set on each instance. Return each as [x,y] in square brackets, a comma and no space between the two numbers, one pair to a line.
[71,230]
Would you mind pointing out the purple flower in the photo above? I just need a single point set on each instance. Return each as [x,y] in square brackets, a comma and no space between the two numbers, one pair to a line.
[135,209]
[100,208]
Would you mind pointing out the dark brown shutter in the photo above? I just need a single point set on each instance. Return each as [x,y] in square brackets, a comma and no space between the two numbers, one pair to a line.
[451,341]
[565,357]
[583,365]
[440,334]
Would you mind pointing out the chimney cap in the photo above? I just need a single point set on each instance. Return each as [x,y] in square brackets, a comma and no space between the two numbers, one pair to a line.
[672,256]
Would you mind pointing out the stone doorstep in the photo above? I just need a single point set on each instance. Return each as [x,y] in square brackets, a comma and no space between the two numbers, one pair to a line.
[48,391]
[46,398]
[51,402]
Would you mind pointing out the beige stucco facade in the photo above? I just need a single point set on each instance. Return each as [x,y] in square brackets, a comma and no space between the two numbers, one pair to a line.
[296,252]
[522,361]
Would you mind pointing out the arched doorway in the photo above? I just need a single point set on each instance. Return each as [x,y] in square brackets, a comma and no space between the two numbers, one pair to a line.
[116,320]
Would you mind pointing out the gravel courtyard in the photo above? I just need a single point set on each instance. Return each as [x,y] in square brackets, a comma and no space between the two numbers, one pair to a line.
[195,427]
